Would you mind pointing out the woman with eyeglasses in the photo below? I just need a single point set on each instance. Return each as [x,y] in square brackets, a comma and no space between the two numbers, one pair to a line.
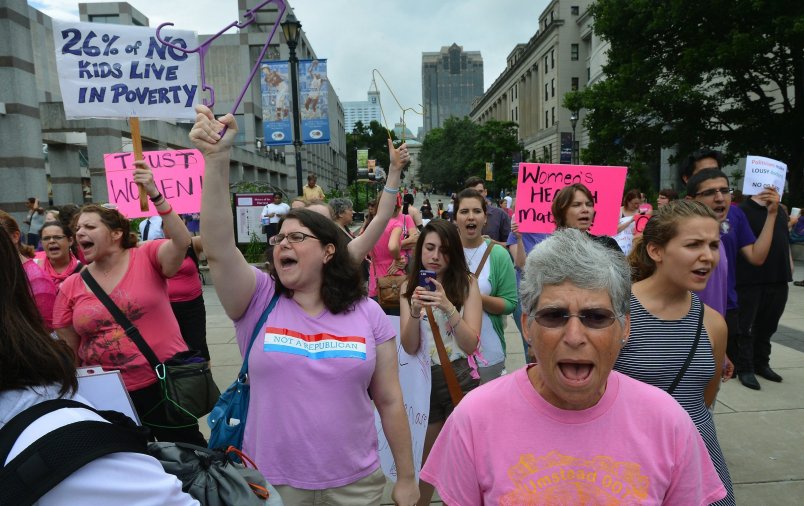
[321,356]
[57,259]
[677,343]
[42,287]
[568,429]
[454,298]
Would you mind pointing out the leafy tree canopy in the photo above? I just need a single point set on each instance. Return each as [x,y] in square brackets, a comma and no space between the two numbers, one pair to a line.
[461,148]
[690,74]
[373,137]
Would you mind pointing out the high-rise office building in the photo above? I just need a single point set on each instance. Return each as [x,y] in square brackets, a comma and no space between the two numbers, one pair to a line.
[365,112]
[451,80]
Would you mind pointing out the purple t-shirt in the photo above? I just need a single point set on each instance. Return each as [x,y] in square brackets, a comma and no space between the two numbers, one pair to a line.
[310,420]
[529,240]
[504,444]
[714,295]
[736,236]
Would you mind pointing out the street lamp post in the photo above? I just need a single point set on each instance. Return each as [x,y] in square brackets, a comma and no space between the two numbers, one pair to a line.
[291,28]
[573,122]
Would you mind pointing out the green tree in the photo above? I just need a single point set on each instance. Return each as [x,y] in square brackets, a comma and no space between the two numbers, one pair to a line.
[461,148]
[687,74]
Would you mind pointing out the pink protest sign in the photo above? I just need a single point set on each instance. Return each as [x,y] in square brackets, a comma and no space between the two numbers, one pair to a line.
[179,176]
[538,184]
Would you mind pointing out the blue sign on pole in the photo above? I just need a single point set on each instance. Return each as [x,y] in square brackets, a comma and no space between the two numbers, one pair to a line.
[313,103]
[276,102]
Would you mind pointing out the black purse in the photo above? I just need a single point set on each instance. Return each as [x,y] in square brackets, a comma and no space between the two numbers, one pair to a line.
[188,390]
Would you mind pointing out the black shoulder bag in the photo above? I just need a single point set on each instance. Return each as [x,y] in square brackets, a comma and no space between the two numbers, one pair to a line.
[690,355]
[188,390]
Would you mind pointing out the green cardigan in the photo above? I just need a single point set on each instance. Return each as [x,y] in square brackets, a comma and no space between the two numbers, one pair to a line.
[503,284]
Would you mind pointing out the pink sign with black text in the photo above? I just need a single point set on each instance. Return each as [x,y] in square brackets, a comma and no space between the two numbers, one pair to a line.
[538,184]
[179,176]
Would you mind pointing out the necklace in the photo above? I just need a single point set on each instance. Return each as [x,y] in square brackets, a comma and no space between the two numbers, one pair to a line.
[473,255]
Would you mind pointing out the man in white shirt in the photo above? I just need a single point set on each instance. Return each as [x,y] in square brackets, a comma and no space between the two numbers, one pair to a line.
[151,228]
[272,213]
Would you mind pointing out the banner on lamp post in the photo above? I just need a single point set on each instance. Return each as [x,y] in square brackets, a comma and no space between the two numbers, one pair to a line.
[313,103]
[277,108]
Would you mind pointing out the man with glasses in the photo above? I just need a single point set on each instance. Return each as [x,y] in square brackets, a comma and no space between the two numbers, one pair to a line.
[710,186]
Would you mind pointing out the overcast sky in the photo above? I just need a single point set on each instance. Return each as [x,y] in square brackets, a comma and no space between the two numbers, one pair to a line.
[357,36]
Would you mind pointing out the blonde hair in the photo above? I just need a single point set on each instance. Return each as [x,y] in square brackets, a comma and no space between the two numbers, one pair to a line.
[660,229]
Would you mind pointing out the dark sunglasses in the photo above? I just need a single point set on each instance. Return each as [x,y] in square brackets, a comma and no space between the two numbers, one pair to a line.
[557,317]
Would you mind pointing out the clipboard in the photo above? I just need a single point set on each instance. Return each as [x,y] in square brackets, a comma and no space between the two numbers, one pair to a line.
[106,391]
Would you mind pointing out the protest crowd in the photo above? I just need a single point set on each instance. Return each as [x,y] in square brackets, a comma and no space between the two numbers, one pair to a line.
[628,336]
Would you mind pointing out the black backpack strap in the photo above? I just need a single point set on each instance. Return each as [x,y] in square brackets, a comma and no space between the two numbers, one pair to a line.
[690,354]
[121,319]
[191,253]
[78,267]
[53,457]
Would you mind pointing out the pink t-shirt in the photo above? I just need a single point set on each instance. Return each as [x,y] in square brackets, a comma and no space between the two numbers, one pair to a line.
[381,258]
[43,290]
[310,420]
[506,445]
[142,296]
[185,285]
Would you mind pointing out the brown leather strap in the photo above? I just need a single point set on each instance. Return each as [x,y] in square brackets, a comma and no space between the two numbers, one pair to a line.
[483,260]
[455,392]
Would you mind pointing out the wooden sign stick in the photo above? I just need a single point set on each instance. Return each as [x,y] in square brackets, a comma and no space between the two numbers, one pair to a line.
[136,140]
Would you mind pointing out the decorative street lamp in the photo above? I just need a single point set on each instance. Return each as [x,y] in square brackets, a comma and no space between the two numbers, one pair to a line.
[291,28]
[573,122]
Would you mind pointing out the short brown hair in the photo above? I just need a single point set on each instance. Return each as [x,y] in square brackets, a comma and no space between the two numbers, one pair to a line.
[563,200]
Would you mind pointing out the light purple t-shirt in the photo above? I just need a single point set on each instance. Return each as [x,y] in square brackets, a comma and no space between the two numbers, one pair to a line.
[504,444]
[714,295]
[310,420]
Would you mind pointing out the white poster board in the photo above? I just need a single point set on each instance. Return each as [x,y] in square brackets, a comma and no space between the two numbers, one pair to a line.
[761,173]
[248,213]
[414,377]
[105,390]
[119,71]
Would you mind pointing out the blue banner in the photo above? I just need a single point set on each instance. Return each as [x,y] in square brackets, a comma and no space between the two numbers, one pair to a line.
[313,101]
[276,103]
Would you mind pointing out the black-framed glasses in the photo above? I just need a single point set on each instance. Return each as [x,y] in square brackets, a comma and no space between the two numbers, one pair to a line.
[557,317]
[49,238]
[712,191]
[292,238]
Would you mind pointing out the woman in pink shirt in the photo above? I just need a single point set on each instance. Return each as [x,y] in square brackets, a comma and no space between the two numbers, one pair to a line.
[187,300]
[135,278]
[57,259]
[42,288]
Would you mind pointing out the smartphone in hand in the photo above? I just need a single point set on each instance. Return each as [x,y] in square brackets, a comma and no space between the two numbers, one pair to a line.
[424,281]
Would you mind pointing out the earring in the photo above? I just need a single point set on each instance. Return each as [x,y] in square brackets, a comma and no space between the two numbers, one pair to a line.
[622,342]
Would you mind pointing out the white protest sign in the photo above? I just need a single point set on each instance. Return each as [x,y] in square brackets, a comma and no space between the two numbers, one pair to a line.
[414,377]
[761,173]
[119,71]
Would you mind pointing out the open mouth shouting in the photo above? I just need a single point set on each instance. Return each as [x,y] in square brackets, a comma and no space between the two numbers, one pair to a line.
[576,373]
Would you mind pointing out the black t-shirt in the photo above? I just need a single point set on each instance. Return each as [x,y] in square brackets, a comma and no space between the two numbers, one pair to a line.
[776,268]
[606,241]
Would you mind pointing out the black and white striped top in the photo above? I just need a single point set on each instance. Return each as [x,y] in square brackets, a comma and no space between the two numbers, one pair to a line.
[656,350]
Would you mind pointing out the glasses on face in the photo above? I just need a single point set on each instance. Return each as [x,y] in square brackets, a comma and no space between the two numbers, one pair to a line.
[556,317]
[49,238]
[712,191]
[292,238]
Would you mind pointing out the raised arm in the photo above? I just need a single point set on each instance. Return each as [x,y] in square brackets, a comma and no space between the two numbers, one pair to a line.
[171,252]
[360,246]
[234,280]
[518,250]
[757,253]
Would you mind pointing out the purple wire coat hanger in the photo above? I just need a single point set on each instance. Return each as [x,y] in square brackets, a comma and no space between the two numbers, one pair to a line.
[249,17]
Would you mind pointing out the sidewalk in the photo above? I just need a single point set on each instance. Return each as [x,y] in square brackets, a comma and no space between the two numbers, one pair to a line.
[761,432]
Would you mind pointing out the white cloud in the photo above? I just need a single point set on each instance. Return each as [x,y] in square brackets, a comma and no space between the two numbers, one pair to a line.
[357,36]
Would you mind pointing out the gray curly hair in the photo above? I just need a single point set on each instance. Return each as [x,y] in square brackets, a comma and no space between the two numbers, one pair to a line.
[340,205]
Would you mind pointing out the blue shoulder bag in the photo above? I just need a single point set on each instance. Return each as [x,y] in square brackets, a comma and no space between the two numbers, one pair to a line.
[227,420]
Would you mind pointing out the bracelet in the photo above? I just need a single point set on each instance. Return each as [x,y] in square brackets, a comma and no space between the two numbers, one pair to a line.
[159,202]
[415,317]
[157,197]
[390,190]
[165,212]
[451,314]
